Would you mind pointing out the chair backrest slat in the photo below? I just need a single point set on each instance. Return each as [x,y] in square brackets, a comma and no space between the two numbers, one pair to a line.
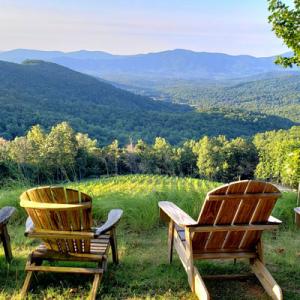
[243,202]
[86,214]
[67,217]
[43,219]
[60,196]
[86,220]
[74,218]
[261,215]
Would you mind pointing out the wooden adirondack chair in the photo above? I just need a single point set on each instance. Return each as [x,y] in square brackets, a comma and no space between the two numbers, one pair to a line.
[5,214]
[230,226]
[62,219]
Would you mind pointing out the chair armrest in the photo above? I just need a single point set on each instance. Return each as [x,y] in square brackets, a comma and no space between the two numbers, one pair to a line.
[175,213]
[297,210]
[29,226]
[113,218]
[5,214]
[273,220]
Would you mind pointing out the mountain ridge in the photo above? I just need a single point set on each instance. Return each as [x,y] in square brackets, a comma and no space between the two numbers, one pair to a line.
[38,92]
[177,63]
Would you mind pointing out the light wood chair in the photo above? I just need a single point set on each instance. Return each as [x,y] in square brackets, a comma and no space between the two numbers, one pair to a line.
[62,219]
[230,225]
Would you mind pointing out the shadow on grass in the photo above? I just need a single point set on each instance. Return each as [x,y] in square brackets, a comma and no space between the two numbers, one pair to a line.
[143,273]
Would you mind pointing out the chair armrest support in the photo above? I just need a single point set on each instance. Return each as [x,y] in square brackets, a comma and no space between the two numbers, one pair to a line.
[5,214]
[176,214]
[273,220]
[113,218]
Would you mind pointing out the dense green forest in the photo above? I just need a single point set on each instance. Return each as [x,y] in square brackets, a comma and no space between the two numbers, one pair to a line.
[43,93]
[279,155]
[271,93]
[123,133]
[62,154]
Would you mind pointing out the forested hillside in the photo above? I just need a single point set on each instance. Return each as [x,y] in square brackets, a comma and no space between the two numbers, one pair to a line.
[43,93]
[182,76]
[272,93]
[61,154]
[278,96]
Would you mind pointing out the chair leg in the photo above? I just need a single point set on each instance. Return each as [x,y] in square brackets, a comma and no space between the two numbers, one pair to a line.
[6,244]
[200,288]
[26,284]
[103,264]
[97,279]
[189,259]
[186,256]
[266,279]
[260,250]
[170,241]
[29,275]
[114,246]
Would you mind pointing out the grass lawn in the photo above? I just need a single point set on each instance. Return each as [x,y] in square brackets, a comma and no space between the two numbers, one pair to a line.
[143,272]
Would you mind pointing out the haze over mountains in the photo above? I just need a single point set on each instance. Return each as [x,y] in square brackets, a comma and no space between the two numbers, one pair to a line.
[229,93]
[271,93]
[171,64]
[38,92]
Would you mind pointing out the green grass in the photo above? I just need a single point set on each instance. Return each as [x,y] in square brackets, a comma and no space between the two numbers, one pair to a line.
[143,272]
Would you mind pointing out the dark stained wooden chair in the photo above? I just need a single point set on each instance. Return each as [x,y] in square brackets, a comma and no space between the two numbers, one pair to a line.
[230,226]
[5,214]
[62,219]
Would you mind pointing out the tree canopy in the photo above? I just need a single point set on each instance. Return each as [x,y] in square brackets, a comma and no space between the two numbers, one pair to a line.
[286,25]
[62,154]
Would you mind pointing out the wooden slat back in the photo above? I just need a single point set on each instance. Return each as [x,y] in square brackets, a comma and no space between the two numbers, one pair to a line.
[79,219]
[74,217]
[241,202]
[87,220]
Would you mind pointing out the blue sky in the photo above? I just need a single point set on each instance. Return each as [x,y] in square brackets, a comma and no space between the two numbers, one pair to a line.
[129,27]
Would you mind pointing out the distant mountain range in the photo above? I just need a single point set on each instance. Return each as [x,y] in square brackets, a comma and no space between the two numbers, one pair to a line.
[172,64]
[38,92]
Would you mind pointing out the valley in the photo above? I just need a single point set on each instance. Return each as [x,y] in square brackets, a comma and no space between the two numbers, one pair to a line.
[38,92]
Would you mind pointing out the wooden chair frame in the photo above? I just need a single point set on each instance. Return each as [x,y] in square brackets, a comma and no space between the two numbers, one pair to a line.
[182,228]
[5,214]
[99,239]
